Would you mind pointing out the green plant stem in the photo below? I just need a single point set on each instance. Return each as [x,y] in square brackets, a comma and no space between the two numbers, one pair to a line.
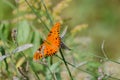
[91,73]
[74,66]
[38,15]
[66,64]
[107,59]
[51,73]
[51,21]
[113,78]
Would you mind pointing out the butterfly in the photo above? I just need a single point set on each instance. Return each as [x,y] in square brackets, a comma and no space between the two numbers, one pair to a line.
[51,45]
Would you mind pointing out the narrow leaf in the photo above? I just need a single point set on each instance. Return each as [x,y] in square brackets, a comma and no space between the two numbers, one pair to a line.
[3,57]
[22,48]
[63,33]
[81,64]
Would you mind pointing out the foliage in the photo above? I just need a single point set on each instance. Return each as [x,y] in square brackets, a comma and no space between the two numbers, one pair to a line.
[92,36]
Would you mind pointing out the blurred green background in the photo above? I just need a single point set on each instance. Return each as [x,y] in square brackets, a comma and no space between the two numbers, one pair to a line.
[90,22]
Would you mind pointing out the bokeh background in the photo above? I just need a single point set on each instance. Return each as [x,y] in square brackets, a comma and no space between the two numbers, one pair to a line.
[93,36]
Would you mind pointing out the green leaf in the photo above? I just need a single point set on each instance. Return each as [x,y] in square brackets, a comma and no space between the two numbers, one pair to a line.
[3,57]
[54,69]
[36,40]
[23,32]
[4,31]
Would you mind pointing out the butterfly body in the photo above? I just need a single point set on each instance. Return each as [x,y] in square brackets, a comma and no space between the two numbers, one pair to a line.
[51,45]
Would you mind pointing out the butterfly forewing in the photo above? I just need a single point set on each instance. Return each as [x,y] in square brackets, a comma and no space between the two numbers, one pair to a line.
[51,45]
[54,37]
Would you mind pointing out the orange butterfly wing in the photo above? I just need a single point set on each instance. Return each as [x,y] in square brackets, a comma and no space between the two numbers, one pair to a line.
[51,45]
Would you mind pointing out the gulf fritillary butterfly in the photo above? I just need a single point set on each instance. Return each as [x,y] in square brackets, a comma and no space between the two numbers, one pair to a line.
[51,45]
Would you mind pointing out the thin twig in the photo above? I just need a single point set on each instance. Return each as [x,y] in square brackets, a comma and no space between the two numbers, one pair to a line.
[102,48]
[105,58]
[22,73]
